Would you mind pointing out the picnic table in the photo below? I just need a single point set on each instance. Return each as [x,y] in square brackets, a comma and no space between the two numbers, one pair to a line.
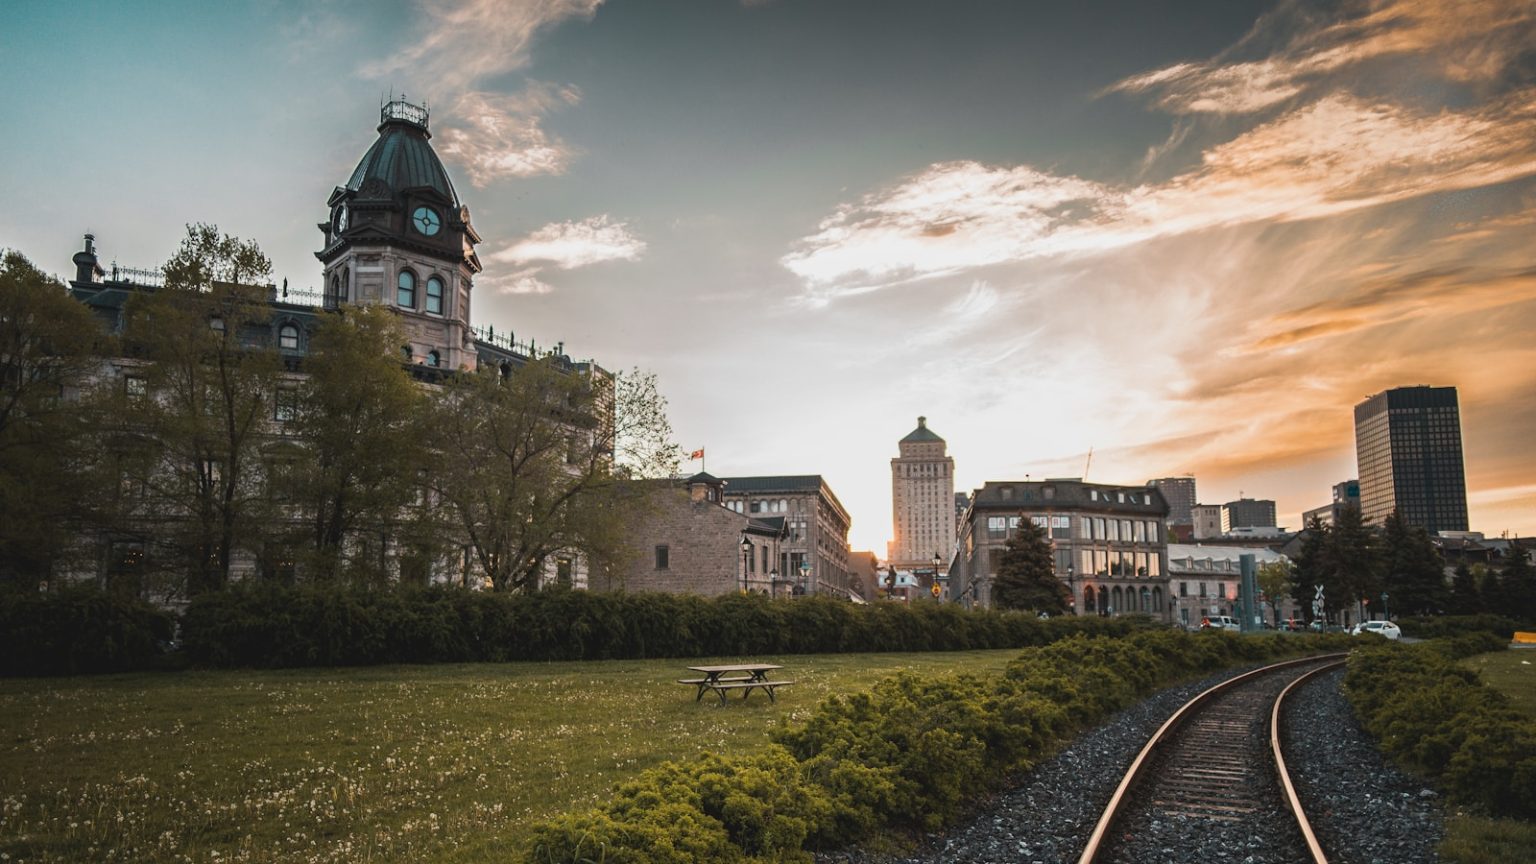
[745,677]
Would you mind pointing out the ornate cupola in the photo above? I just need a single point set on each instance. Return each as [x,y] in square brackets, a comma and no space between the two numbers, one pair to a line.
[398,236]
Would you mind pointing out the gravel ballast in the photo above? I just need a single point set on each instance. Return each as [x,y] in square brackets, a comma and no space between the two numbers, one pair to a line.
[1376,812]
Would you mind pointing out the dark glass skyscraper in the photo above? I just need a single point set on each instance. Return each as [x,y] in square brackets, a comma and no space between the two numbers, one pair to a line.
[1408,444]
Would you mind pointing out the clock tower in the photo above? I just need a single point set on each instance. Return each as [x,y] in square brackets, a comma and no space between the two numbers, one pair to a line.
[397,236]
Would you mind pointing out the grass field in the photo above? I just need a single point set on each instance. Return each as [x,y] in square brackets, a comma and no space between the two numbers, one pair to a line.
[1512,673]
[413,763]
[1474,840]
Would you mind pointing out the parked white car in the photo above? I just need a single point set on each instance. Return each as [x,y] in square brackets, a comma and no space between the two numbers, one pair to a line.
[1380,628]
[1219,622]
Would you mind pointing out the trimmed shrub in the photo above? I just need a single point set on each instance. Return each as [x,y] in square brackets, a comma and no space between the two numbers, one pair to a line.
[1438,719]
[1447,626]
[912,753]
[264,625]
[79,630]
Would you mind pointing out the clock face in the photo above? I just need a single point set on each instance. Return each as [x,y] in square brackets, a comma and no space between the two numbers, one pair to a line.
[341,219]
[426,220]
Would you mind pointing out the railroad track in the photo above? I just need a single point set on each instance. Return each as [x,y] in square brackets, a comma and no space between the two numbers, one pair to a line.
[1213,776]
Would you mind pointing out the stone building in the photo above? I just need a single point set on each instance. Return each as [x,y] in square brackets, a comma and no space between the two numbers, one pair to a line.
[922,499]
[396,235]
[684,540]
[1109,542]
[1203,580]
[814,555]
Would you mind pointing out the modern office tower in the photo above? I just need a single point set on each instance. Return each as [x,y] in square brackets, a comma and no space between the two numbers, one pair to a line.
[1249,513]
[1179,492]
[1408,445]
[922,500]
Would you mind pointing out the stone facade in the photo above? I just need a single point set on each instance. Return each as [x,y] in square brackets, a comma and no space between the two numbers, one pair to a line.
[922,500]
[814,556]
[1109,542]
[684,541]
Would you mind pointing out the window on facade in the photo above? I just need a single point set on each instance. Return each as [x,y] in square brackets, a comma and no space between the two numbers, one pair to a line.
[1183,589]
[1140,532]
[663,557]
[433,359]
[435,295]
[405,351]
[405,291]
[288,337]
[1061,527]
[997,526]
[285,404]
[216,324]
[135,387]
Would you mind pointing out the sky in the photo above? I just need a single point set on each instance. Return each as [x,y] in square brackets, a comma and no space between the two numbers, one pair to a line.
[1186,236]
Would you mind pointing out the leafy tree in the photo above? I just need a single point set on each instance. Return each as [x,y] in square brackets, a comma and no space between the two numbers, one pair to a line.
[359,448]
[47,347]
[536,462]
[210,376]
[1276,579]
[1413,569]
[1026,576]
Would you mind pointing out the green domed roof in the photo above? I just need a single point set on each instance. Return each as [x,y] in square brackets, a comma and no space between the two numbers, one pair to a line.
[921,433]
[402,157]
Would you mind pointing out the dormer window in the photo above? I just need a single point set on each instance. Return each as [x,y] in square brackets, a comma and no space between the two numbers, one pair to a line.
[405,292]
[435,296]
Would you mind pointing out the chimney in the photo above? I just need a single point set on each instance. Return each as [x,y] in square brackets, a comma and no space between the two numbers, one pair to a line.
[86,267]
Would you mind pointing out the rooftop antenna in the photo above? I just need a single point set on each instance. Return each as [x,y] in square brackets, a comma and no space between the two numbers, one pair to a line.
[1088,464]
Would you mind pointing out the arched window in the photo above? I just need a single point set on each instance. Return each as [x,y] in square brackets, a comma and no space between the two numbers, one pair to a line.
[435,295]
[334,298]
[405,294]
[1146,601]
[288,337]
[506,371]
[1157,599]
[1088,604]
[1116,600]
[1103,600]
[433,359]
[405,351]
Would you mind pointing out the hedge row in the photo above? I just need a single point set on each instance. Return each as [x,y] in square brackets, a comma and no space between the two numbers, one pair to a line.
[267,626]
[1439,720]
[913,753]
[1447,626]
[72,632]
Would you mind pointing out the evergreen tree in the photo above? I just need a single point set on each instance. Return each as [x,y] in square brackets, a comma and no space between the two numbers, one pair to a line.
[1517,584]
[1351,563]
[1487,588]
[1026,576]
[1413,569]
[1464,597]
[1307,572]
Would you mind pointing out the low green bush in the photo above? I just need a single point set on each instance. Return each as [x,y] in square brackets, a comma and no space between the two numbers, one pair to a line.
[79,630]
[1438,719]
[910,754]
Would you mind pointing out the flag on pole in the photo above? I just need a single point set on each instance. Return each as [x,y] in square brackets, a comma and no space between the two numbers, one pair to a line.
[697,454]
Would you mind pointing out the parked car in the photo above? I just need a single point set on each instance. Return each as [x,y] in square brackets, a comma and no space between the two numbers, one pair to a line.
[1219,622]
[1293,625]
[1380,628]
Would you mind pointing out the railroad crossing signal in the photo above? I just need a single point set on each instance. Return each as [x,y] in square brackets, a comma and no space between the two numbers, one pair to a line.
[937,589]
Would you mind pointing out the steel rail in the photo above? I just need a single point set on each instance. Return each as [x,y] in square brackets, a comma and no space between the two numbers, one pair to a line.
[1133,774]
[1292,800]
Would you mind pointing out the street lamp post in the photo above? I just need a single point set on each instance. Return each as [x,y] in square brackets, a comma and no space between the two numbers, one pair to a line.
[805,576]
[1071,589]
[773,583]
[937,560]
[746,549]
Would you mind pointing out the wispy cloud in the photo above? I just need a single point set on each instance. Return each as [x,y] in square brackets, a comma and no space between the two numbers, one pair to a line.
[525,281]
[498,136]
[465,46]
[1335,155]
[568,245]
[1464,40]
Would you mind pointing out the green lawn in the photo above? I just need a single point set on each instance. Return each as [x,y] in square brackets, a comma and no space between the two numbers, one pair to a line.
[1512,673]
[406,763]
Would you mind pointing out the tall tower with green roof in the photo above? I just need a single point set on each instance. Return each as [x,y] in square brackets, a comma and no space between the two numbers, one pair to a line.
[922,500]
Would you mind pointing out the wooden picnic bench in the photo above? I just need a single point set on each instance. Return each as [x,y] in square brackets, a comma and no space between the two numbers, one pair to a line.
[718,679]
